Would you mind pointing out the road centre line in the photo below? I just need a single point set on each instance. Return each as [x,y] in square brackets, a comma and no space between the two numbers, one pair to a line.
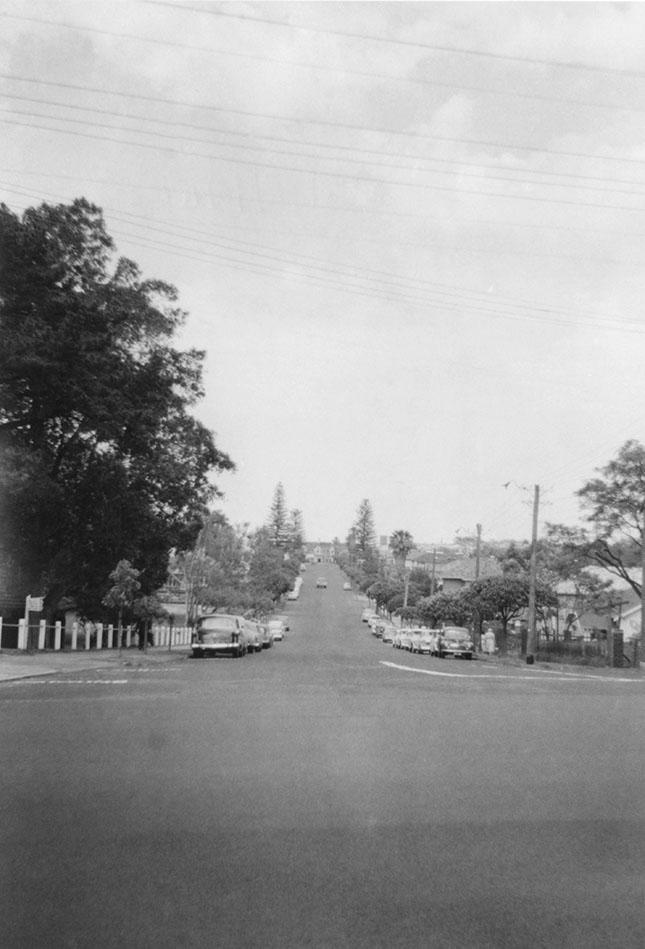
[530,678]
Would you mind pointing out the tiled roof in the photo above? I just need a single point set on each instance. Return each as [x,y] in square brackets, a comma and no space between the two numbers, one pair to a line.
[466,569]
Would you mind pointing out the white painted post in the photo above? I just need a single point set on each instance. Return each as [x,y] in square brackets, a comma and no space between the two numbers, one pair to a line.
[74,636]
[57,634]
[87,636]
[110,636]
[0,632]
[99,635]
[128,637]
[42,629]
[22,633]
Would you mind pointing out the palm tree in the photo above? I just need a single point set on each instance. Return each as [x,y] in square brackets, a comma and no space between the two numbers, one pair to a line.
[401,543]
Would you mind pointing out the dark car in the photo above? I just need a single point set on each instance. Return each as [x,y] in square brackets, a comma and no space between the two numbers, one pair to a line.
[455,641]
[220,634]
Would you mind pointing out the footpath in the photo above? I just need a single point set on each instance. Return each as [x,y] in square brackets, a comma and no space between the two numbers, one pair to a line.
[16,664]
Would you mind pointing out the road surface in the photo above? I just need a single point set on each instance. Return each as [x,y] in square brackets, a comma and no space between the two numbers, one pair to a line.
[329,792]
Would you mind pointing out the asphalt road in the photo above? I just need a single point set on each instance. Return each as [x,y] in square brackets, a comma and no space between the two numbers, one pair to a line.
[315,796]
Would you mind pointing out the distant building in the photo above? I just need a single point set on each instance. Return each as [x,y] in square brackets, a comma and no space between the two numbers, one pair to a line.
[319,551]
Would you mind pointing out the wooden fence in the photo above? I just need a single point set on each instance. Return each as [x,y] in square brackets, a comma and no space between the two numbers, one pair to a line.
[85,636]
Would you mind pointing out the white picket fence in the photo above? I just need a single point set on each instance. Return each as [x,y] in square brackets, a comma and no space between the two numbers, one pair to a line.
[86,636]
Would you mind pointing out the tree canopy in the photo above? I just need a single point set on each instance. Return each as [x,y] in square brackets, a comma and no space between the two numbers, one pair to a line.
[614,504]
[102,459]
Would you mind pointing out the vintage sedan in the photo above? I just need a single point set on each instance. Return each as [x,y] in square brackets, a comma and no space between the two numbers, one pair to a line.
[455,641]
[277,630]
[220,634]
[423,641]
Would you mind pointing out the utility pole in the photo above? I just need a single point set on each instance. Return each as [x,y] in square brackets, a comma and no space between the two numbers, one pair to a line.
[434,568]
[638,649]
[478,551]
[531,644]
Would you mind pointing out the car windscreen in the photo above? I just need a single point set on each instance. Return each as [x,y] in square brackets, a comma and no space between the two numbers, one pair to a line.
[457,634]
[217,635]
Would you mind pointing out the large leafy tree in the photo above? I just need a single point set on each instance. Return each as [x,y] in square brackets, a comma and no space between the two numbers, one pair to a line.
[506,598]
[102,459]
[269,574]
[443,608]
[614,504]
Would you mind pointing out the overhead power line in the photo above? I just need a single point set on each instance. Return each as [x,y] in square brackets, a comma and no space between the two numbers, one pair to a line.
[321,173]
[371,280]
[87,123]
[418,44]
[324,123]
[507,92]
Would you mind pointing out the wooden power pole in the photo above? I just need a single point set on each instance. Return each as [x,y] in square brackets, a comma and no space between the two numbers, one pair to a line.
[531,643]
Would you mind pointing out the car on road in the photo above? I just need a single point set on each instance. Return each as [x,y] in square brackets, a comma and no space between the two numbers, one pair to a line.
[266,639]
[389,630]
[277,630]
[347,586]
[423,642]
[220,634]
[254,636]
[365,615]
[321,583]
[455,641]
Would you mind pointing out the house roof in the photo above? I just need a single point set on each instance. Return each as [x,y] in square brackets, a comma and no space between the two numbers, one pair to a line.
[466,569]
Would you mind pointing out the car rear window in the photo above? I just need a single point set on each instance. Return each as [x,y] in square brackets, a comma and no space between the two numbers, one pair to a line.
[218,623]
[216,635]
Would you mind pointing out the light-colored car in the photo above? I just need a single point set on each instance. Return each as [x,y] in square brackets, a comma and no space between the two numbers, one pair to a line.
[455,641]
[406,639]
[321,583]
[254,636]
[293,595]
[347,586]
[276,629]
[424,642]
[220,634]
[402,638]
[365,615]
[266,639]
[389,630]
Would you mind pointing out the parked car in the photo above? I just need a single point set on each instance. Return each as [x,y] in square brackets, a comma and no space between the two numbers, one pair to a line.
[266,637]
[220,634]
[321,583]
[455,641]
[293,595]
[396,637]
[424,642]
[254,636]
[387,636]
[277,630]
[406,639]
[347,585]
[365,615]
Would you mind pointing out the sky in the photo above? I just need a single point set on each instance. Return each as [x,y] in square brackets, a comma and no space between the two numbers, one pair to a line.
[408,236]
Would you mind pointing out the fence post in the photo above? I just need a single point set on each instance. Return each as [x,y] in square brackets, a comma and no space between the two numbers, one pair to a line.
[57,634]
[128,637]
[99,635]
[110,635]
[42,629]
[87,636]
[22,634]
[74,636]
[0,632]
